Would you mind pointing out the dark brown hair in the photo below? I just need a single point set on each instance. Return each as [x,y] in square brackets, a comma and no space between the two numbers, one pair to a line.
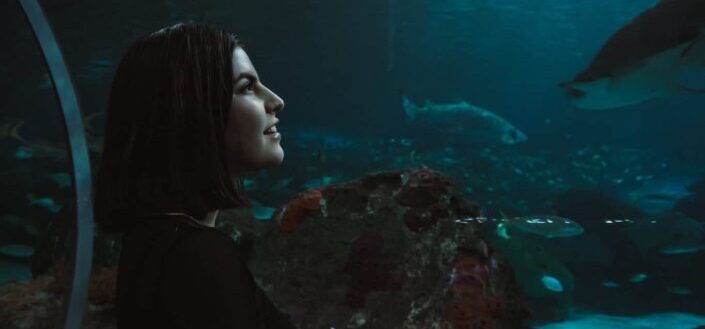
[164,146]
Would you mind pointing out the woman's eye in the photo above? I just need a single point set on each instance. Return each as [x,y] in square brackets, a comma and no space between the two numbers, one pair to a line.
[249,86]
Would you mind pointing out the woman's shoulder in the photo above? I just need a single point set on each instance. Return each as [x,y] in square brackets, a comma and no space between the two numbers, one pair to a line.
[178,237]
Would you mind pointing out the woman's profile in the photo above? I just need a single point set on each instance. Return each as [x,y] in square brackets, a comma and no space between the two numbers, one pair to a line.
[187,116]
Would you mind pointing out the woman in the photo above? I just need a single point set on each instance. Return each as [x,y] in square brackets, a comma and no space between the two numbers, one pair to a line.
[187,116]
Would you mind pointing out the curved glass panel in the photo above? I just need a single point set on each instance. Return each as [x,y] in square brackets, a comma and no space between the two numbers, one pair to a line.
[38,207]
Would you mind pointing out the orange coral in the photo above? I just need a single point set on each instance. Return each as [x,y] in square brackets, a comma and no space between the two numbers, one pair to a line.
[292,215]
[310,200]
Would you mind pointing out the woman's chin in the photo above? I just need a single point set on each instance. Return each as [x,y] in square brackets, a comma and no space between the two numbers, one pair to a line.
[277,156]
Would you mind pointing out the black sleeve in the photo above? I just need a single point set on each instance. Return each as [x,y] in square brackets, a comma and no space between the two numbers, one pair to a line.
[208,285]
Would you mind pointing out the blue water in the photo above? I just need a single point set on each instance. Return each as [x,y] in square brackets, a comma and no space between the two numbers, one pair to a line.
[342,68]
[650,321]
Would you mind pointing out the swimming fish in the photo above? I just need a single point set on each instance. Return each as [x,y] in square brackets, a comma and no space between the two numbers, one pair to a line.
[656,195]
[23,153]
[463,119]
[677,250]
[263,213]
[62,179]
[551,283]
[681,291]
[17,250]
[16,221]
[537,271]
[610,284]
[318,182]
[645,58]
[47,203]
[667,234]
[548,226]
[14,271]
[638,277]
[282,183]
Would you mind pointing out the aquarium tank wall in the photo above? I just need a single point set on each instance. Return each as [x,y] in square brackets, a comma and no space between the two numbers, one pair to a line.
[448,163]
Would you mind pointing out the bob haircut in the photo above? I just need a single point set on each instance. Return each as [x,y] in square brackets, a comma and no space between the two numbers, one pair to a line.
[164,148]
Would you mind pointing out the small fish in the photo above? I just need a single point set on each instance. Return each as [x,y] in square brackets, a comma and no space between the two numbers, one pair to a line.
[610,284]
[263,213]
[318,182]
[667,234]
[14,271]
[45,202]
[23,153]
[638,277]
[680,291]
[62,179]
[250,184]
[548,226]
[17,250]
[43,149]
[20,222]
[678,250]
[282,183]
[551,283]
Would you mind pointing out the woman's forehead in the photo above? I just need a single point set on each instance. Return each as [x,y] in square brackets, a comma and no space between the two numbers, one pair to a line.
[242,63]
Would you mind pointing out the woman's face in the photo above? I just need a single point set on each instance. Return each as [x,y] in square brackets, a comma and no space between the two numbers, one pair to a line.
[253,111]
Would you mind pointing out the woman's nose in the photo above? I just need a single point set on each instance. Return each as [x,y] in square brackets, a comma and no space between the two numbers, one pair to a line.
[275,103]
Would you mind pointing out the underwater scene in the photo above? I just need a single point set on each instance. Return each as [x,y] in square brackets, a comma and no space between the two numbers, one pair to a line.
[455,164]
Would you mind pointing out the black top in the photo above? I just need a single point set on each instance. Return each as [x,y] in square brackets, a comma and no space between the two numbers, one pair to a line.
[175,273]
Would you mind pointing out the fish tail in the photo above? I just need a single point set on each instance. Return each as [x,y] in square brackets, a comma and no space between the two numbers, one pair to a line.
[14,132]
[688,91]
[55,209]
[409,108]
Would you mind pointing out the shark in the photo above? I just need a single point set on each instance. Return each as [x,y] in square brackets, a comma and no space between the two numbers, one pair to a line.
[645,59]
[463,118]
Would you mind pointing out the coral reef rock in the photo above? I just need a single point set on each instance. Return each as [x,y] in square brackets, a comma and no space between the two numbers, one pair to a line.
[398,249]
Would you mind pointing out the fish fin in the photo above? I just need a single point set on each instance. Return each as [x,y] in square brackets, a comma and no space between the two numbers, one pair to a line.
[687,91]
[502,227]
[409,108]
[502,231]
